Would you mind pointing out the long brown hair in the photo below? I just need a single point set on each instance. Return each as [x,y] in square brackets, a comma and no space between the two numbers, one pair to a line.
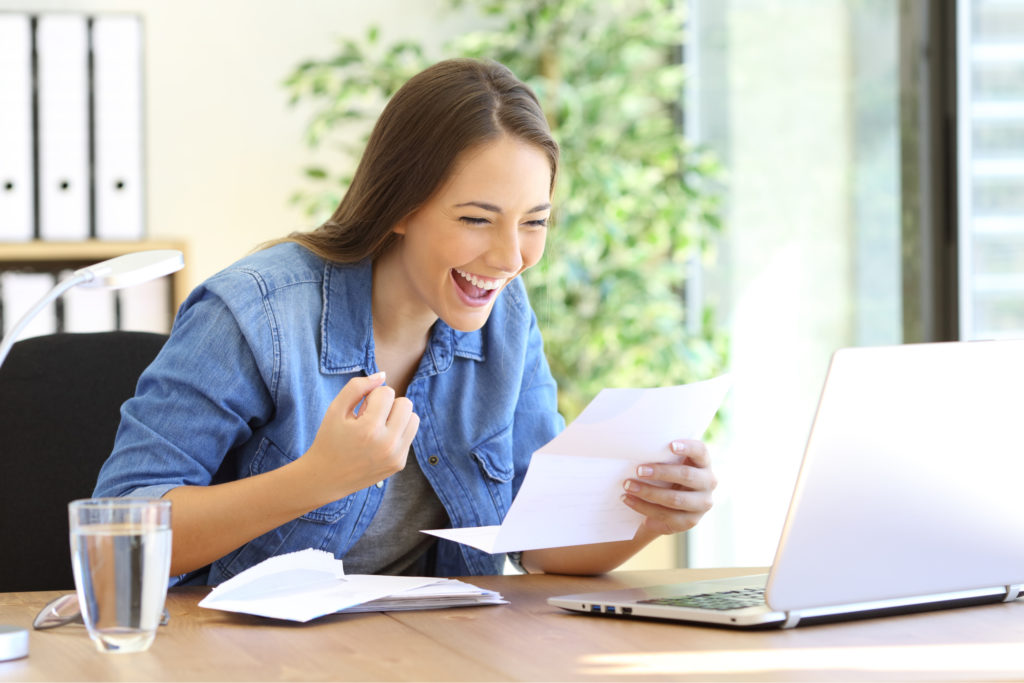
[438,114]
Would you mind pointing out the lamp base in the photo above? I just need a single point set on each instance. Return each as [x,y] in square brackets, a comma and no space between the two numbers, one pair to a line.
[13,642]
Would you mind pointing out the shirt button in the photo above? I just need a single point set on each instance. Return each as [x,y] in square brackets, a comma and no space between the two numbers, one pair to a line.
[433,460]
[380,484]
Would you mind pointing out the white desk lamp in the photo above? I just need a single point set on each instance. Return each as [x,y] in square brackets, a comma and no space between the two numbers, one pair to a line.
[115,273]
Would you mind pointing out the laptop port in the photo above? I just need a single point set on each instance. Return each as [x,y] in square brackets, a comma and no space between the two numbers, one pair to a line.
[610,609]
[627,610]
[595,608]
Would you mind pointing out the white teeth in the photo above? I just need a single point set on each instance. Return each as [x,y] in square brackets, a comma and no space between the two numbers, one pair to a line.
[480,282]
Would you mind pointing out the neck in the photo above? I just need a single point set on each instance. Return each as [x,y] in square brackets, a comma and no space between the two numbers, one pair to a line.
[398,320]
[401,329]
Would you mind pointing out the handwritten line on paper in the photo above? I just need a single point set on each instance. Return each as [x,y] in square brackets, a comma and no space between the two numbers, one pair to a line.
[571,492]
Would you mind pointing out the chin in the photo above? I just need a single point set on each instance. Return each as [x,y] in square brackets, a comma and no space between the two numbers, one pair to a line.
[465,325]
[464,322]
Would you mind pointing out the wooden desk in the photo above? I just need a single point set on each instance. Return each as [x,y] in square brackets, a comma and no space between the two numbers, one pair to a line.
[527,640]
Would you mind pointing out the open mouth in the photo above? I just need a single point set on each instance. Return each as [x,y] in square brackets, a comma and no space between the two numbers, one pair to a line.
[475,290]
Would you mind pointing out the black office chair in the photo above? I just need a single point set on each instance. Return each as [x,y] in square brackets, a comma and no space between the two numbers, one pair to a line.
[60,400]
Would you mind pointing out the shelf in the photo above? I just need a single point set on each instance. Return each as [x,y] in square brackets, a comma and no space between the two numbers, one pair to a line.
[39,250]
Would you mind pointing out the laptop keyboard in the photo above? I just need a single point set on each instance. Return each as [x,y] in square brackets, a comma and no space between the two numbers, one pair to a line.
[719,600]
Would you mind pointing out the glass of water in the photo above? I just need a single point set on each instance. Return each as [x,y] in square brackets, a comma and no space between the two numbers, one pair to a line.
[121,557]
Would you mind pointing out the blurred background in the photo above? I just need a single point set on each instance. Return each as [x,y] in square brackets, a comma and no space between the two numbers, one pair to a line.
[747,185]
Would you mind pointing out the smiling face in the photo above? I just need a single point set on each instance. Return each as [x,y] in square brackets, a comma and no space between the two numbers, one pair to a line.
[483,227]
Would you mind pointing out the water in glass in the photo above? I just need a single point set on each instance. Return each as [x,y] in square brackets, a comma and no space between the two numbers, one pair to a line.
[121,570]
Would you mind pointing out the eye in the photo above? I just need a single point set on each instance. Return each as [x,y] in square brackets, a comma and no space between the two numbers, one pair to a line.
[473,220]
[538,223]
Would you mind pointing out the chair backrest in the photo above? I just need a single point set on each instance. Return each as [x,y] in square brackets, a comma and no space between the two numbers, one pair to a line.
[60,400]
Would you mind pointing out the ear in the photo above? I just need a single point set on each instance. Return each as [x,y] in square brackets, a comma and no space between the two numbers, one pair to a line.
[401,226]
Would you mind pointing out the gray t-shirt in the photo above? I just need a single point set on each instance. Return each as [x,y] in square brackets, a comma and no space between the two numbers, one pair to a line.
[393,544]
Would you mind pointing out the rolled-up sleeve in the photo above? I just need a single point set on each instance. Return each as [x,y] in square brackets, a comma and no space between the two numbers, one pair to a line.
[201,397]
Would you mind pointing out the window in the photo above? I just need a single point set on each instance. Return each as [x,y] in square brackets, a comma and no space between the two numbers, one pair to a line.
[801,101]
[990,75]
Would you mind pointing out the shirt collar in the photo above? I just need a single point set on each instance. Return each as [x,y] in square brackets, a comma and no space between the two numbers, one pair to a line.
[346,326]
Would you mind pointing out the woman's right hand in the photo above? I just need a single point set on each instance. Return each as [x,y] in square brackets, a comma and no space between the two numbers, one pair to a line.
[349,453]
[354,450]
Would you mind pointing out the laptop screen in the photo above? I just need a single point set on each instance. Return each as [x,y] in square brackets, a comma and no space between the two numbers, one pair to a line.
[909,483]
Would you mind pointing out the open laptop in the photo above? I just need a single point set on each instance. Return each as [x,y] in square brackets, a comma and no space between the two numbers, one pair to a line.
[909,497]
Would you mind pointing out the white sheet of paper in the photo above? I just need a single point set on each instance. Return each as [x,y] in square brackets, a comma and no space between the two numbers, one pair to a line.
[303,585]
[572,489]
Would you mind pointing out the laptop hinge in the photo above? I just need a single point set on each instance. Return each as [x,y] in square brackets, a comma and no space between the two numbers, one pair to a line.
[792,619]
[1012,593]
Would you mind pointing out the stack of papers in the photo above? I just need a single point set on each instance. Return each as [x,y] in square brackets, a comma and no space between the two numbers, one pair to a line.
[304,585]
[437,594]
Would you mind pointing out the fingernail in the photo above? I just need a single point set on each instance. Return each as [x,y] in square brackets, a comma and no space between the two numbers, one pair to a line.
[644,471]
[627,484]
[678,447]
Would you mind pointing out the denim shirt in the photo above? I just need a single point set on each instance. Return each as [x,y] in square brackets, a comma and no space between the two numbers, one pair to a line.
[258,352]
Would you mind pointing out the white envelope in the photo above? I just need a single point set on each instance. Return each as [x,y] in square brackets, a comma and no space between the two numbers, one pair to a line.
[310,583]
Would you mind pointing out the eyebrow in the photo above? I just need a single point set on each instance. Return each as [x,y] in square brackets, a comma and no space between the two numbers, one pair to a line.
[497,209]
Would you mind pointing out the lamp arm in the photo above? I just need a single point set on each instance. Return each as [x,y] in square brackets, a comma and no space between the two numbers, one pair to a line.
[76,279]
[121,271]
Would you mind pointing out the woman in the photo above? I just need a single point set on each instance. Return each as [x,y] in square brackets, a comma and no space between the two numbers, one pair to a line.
[343,389]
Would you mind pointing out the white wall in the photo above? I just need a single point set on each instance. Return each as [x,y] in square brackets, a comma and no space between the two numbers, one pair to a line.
[223,149]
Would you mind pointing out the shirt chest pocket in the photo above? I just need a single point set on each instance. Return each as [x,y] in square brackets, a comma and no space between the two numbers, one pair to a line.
[269,457]
[494,456]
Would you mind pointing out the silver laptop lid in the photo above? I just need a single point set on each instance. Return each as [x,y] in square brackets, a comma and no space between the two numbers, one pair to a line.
[911,481]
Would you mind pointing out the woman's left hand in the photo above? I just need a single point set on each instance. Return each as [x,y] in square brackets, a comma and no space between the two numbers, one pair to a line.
[673,496]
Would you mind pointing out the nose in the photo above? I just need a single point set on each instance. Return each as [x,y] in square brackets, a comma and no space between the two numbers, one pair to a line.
[505,253]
